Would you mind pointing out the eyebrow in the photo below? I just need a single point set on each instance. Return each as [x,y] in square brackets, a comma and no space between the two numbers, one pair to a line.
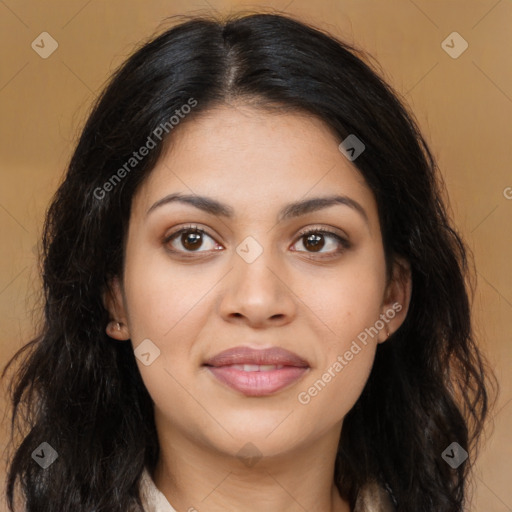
[291,210]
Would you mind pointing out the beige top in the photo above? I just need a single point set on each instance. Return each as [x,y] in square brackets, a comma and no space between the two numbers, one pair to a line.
[152,499]
[372,498]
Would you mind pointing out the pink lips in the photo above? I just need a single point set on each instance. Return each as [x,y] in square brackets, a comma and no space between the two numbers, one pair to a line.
[257,372]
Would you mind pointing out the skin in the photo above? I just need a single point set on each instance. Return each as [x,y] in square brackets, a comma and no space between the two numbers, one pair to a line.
[191,309]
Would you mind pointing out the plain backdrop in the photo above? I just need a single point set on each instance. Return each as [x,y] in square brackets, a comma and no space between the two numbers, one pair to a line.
[461,99]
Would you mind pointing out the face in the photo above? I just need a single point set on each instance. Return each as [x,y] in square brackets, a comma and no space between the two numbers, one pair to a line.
[244,274]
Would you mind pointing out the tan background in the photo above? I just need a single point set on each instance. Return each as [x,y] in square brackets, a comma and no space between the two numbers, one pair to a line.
[463,105]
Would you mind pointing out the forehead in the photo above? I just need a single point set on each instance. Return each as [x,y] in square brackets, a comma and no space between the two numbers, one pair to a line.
[251,158]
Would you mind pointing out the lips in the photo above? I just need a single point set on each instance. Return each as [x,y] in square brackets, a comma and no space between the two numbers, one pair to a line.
[250,356]
[257,372]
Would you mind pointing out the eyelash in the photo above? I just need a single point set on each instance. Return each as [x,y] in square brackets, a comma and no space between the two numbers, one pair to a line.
[345,244]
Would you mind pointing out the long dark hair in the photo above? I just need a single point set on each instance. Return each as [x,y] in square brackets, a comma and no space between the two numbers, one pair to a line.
[81,392]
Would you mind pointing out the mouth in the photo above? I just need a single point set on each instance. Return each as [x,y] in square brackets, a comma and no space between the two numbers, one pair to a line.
[257,372]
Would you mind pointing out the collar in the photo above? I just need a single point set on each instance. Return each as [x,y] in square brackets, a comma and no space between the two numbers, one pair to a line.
[371,498]
[153,500]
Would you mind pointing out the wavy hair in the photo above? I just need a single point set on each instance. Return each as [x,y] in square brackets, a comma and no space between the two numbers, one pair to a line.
[81,392]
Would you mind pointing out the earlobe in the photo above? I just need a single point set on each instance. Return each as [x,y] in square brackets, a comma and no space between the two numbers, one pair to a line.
[113,302]
[117,331]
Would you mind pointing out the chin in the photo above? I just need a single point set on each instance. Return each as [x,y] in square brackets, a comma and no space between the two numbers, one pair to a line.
[270,435]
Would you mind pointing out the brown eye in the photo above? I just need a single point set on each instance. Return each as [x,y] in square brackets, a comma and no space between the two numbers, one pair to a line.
[315,240]
[190,238]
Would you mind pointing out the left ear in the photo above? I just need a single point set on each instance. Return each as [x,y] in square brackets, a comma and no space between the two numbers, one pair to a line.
[113,300]
[396,298]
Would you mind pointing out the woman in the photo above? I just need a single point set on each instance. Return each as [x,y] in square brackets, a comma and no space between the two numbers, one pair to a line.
[254,298]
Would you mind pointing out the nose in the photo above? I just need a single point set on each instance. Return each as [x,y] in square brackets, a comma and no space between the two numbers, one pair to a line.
[258,294]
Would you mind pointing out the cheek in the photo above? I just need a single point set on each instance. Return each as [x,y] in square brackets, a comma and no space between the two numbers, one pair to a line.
[168,308]
[348,307]
[349,300]
[170,313]
[163,298]
[334,390]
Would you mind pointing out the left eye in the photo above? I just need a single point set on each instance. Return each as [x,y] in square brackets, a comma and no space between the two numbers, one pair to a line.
[314,241]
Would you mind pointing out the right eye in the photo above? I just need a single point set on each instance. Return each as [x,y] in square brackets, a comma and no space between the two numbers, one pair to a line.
[191,239]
